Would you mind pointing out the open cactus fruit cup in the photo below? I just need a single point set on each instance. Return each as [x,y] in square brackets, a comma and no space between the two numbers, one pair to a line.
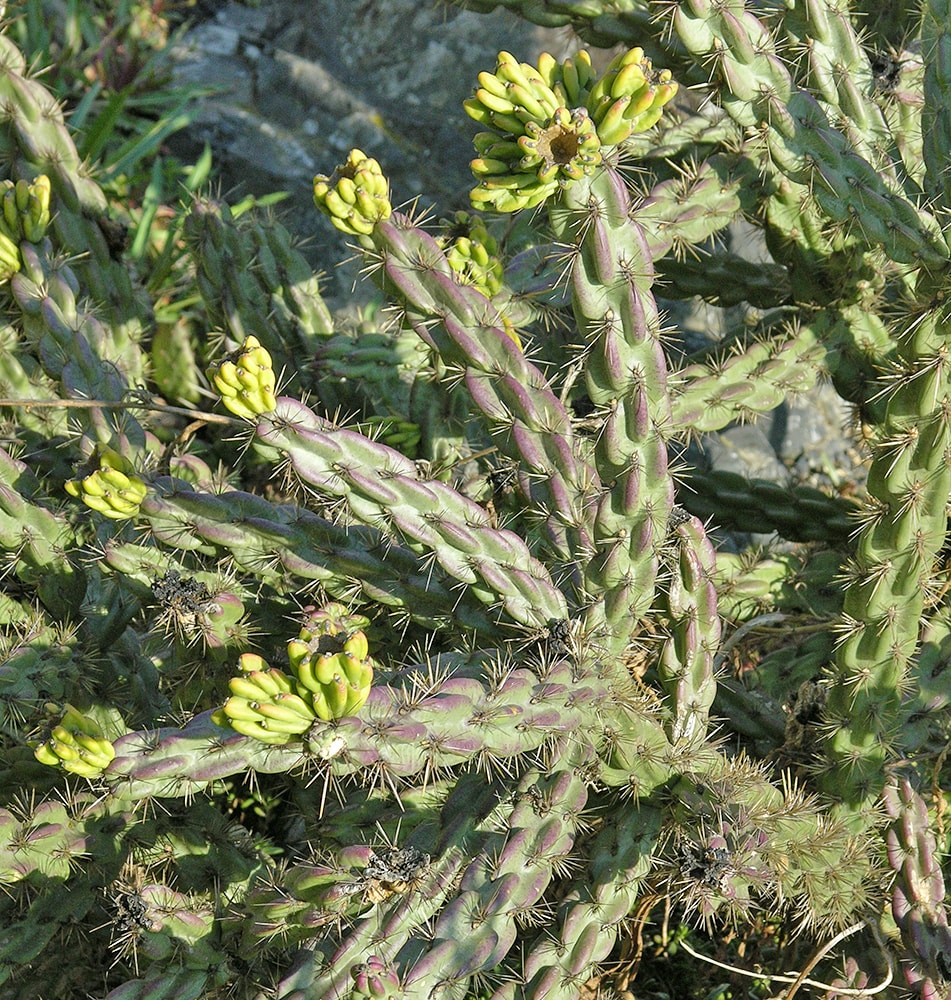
[418,658]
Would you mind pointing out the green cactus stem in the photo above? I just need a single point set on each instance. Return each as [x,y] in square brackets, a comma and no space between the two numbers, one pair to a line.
[936,113]
[685,666]
[918,897]
[797,513]
[527,421]
[286,543]
[758,92]
[903,528]
[626,378]
[381,487]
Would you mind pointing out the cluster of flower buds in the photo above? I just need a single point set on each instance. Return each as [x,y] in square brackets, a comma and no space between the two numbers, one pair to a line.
[629,97]
[113,489]
[75,744]
[549,122]
[264,703]
[330,660]
[356,196]
[245,380]
[473,253]
[25,209]
[331,675]
[24,215]
[374,980]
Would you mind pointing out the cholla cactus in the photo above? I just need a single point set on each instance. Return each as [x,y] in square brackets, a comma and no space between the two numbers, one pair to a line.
[531,760]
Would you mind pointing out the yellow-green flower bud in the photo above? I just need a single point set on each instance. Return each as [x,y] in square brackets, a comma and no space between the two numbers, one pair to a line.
[330,661]
[629,97]
[76,744]
[113,489]
[9,257]
[473,253]
[25,209]
[245,380]
[264,704]
[356,196]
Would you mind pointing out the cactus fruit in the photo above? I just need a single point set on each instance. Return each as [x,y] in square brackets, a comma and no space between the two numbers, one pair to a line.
[76,744]
[245,380]
[113,489]
[582,705]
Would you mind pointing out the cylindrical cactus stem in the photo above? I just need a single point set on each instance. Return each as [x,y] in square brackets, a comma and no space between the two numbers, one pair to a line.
[175,929]
[35,140]
[381,487]
[486,886]
[464,719]
[796,513]
[689,596]
[626,378]
[936,111]
[35,132]
[285,543]
[169,762]
[21,377]
[48,839]
[254,283]
[758,92]
[591,911]
[164,984]
[903,528]
[836,67]
[38,538]
[398,908]
[930,684]
[746,382]
[725,279]
[74,347]
[527,421]
[919,904]
[475,932]
[603,25]
[735,842]
[686,210]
